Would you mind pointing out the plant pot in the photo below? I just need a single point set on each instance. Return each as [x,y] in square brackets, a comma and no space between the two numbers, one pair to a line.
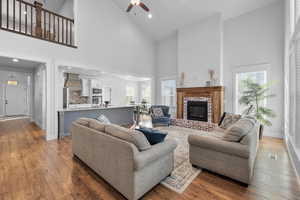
[261,131]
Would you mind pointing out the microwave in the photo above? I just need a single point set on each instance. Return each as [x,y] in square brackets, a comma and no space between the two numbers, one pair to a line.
[96,91]
[97,100]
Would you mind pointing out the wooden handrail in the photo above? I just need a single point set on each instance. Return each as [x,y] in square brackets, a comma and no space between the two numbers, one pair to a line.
[58,15]
[42,23]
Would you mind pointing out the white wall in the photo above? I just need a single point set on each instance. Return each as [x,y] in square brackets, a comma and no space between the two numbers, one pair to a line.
[257,38]
[166,61]
[107,40]
[67,9]
[200,48]
[167,57]
[39,96]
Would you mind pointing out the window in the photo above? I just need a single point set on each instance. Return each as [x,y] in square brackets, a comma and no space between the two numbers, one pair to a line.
[292,95]
[297,10]
[294,91]
[168,95]
[258,76]
[146,92]
[292,78]
[12,82]
[130,95]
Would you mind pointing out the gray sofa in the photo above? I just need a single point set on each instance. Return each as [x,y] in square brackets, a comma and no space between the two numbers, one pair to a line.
[232,159]
[120,163]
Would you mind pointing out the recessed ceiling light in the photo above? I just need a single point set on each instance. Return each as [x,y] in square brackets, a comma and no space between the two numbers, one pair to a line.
[15,60]
[150,16]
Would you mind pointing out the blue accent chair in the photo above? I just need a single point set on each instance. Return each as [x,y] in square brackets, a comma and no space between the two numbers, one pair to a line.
[161,121]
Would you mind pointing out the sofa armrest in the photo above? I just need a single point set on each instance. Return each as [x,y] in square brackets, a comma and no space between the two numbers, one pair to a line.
[157,151]
[219,145]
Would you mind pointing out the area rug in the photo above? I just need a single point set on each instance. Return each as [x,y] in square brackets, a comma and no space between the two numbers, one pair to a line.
[184,173]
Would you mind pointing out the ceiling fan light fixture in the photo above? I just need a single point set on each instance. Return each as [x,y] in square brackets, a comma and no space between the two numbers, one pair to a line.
[15,60]
[135,2]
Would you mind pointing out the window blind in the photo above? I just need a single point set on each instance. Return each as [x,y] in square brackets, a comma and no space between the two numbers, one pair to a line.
[295,91]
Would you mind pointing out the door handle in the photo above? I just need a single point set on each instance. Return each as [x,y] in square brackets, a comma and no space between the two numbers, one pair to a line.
[6,102]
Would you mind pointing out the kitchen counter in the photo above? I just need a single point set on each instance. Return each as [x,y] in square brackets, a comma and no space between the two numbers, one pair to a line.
[93,108]
[121,115]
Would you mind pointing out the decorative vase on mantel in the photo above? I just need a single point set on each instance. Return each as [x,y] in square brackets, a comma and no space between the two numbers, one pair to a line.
[182,79]
[212,81]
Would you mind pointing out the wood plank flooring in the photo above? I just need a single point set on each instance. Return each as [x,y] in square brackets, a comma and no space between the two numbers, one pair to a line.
[32,168]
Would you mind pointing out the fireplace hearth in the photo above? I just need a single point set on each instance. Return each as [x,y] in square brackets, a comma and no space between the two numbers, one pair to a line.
[197,110]
[203,100]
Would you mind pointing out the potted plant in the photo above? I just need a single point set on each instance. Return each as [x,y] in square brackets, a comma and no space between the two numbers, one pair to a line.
[253,97]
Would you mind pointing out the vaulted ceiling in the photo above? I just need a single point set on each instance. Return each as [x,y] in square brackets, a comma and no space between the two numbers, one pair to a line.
[169,15]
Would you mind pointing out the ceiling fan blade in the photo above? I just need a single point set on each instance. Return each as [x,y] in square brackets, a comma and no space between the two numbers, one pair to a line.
[129,7]
[144,7]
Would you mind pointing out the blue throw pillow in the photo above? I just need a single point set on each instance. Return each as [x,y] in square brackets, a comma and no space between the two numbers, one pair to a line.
[153,136]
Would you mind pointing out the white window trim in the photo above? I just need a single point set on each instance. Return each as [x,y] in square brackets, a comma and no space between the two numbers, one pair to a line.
[160,91]
[164,78]
[244,69]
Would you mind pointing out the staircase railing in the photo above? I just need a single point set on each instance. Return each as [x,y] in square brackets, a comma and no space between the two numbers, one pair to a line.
[33,20]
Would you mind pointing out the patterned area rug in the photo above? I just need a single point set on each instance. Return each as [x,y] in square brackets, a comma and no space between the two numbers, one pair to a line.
[183,173]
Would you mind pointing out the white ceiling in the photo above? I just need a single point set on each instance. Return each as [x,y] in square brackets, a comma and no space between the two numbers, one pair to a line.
[169,15]
[22,64]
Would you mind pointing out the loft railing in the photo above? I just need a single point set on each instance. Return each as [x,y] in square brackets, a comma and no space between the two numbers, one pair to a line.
[33,20]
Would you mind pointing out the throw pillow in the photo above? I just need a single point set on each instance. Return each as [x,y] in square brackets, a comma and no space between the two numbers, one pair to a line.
[153,136]
[103,119]
[157,112]
[222,118]
[131,136]
[97,125]
[229,120]
[237,131]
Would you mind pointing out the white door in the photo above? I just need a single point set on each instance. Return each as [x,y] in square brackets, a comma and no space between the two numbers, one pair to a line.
[2,113]
[168,94]
[15,100]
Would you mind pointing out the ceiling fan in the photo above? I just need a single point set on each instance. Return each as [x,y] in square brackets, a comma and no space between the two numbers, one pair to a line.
[137,3]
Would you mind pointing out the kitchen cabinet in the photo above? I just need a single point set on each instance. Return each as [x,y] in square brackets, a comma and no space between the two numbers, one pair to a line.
[86,87]
[95,83]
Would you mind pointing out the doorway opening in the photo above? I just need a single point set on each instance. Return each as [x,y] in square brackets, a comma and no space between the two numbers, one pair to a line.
[23,90]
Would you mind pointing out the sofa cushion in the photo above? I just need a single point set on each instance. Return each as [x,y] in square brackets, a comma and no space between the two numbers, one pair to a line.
[83,121]
[157,112]
[237,131]
[96,125]
[153,136]
[229,119]
[128,135]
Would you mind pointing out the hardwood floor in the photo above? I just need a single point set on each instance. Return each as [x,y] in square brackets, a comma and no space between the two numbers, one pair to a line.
[32,168]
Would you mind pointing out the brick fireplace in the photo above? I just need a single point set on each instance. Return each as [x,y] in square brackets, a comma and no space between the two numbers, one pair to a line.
[197,109]
[200,104]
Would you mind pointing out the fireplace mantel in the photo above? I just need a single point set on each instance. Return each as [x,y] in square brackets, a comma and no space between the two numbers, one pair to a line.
[215,94]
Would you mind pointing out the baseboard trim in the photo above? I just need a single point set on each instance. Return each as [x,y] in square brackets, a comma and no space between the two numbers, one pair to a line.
[294,157]
[51,137]
[274,134]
